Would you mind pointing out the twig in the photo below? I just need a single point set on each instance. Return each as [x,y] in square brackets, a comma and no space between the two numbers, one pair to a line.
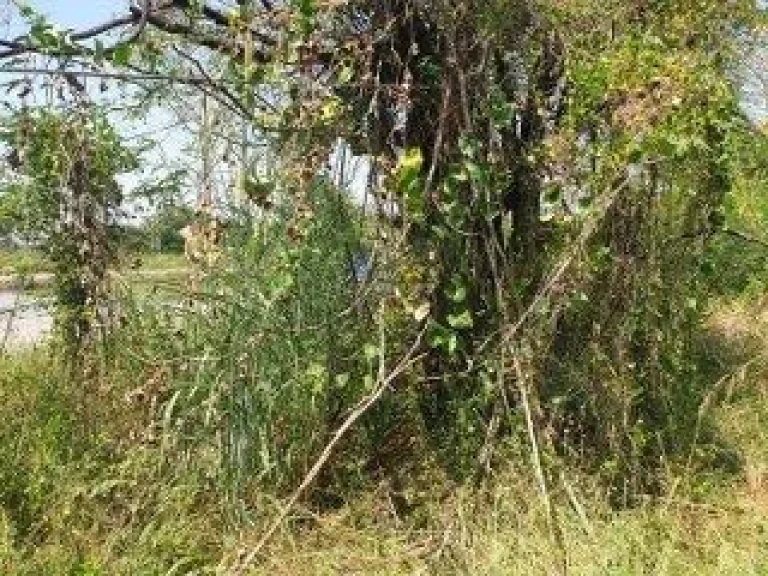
[565,263]
[577,507]
[221,87]
[744,236]
[408,360]
[191,80]
[538,469]
[437,148]
[145,8]
[21,44]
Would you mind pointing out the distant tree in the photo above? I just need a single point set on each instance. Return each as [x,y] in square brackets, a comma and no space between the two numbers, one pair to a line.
[63,196]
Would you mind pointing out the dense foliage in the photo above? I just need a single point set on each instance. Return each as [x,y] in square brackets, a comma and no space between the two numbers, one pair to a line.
[63,196]
[554,195]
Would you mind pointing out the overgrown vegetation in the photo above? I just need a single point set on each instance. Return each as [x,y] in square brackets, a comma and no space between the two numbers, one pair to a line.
[529,338]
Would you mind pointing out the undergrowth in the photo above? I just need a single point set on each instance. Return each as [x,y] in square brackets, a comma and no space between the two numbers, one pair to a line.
[109,499]
[208,404]
[527,338]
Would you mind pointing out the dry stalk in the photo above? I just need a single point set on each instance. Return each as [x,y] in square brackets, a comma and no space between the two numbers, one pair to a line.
[384,381]
[538,468]
[559,271]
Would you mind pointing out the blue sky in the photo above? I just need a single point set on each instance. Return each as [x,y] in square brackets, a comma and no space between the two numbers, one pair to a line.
[79,13]
[76,14]
[82,14]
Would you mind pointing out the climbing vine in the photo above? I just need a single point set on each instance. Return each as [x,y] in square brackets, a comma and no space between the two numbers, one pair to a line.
[65,198]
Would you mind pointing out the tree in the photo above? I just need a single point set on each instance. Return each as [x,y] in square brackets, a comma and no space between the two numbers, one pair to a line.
[541,154]
[64,197]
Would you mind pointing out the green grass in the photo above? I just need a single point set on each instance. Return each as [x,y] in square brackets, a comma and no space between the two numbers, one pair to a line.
[145,272]
[29,261]
[23,261]
[156,261]
[82,491]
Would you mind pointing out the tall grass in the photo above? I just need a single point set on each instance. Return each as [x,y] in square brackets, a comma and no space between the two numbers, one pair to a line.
[138,498]
[261,356]
[211,399]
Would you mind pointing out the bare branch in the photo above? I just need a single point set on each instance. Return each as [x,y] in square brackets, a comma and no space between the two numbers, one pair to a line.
[144,16]
[384,382]
[220,19]
[221,87]
[191,80]
[145,9]
[21,45]
[216,43]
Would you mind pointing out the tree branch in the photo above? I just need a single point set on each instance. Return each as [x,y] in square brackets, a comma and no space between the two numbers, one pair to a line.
[105,27]
[190,80]
[209,41]
[144,16]
[145,10]
[220,87]
[21,45]
[221,19]
[384,382]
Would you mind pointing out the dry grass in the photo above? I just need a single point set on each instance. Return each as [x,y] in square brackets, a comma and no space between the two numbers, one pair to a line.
[502,530]
[142,522]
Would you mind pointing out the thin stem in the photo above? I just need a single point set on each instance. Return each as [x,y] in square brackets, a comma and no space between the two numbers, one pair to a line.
[385,380]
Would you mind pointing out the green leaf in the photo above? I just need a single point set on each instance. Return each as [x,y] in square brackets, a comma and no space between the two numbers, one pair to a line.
[370,351]
[307,8]
[27,11]
[468,146]
[122,54]
[438,335]
[345,74]
[342,380]
[410,163]
[461,321]
[408,179]
[307,12]
[476,172]
[330,109]
[43,34]
[316,370]
[458,292]
[453,343]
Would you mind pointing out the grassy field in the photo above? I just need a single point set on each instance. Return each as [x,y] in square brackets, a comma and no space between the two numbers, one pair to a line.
[28,261]
[23,261]
[156,261]
[81,492]
[31,270]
